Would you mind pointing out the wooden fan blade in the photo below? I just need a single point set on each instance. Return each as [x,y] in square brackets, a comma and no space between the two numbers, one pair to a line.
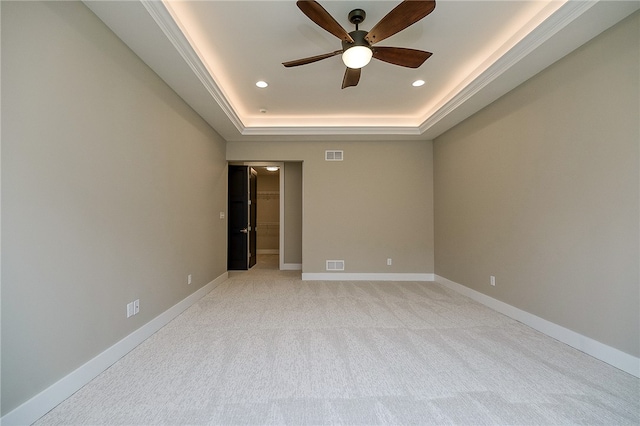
[320,16]
[351,77]
[311,59]
[405,14]
[410,58]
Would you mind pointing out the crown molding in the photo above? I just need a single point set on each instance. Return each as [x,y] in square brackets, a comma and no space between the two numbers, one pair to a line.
[330,130]
[169,26]
[566,14]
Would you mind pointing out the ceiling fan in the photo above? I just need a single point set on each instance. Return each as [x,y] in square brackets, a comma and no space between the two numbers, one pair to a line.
[358,46]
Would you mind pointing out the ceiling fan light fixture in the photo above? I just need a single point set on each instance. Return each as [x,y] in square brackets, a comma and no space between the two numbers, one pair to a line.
[357,56]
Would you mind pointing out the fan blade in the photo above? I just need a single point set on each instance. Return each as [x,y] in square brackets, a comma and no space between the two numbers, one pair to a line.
[410,58]
[320,16]
[351,77]
[405,14]
[311,59]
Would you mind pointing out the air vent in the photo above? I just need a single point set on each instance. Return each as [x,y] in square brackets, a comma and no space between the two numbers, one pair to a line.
[333,155]
[335,265]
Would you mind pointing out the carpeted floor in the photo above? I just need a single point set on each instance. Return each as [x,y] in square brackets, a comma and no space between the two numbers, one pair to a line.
[265,347]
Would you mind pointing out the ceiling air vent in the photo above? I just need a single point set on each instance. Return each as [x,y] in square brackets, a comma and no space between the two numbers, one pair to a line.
[333,155]
[335,265]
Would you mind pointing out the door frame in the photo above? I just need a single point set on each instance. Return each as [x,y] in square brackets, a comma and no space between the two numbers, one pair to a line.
[279,164]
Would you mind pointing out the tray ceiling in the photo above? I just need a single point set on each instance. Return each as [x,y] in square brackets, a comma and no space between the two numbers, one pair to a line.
[213,52]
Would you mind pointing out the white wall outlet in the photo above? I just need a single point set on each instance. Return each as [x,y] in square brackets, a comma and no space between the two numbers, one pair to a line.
[389,262]
[222,215]
[189,279]
[492,280]
[133,308]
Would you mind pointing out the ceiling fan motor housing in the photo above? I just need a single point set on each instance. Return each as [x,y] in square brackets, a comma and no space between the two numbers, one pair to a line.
[357,54]
[358,37]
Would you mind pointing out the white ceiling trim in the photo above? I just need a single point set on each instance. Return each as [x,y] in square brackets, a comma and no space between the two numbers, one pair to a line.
[163,18]
[566,14]
[331,130]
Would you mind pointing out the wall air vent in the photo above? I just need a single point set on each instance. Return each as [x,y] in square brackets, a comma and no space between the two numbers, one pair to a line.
[333,155]
[335,265]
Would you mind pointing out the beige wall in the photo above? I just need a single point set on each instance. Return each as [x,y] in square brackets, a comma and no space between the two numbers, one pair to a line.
[293,213]
[109,186]
[541,190]
[374,205]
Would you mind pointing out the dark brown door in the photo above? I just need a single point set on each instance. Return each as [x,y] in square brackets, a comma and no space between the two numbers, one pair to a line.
[241,249]
[238,232]
[253,216]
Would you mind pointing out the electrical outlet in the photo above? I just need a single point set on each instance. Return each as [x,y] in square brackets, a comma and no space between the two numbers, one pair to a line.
[189,279]
[133,308]
[492,280]
[389,261]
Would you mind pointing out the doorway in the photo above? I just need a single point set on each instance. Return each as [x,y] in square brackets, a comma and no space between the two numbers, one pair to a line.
[289,219]
[268,217]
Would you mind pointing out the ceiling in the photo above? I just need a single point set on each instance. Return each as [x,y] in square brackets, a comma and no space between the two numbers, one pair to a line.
[213,52]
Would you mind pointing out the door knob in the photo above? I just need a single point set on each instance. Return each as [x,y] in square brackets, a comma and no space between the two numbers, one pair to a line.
[244,231]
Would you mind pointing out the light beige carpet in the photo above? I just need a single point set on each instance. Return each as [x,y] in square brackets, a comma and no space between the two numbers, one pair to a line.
[265,347]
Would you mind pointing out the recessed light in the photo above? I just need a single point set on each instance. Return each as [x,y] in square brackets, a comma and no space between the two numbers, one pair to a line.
[262,84]
[417,83]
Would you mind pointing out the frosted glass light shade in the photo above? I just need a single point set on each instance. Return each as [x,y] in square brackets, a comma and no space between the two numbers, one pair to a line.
[357,56]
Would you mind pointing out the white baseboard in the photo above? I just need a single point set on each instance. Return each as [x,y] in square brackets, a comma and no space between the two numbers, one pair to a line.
[348,276]
[601,351]
[45,401]
[291,267]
